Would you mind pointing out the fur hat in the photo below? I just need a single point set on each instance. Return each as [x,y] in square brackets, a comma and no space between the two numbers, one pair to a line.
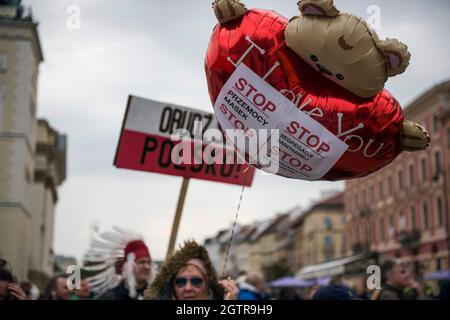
[161,288]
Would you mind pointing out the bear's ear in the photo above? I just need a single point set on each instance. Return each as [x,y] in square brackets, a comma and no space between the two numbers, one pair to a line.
[397,55]
[227,10]
[318,8]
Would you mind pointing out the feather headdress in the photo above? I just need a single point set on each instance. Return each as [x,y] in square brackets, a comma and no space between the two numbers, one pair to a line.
[111,258]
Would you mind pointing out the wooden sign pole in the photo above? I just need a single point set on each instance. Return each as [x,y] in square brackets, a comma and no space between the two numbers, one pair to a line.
[177,218]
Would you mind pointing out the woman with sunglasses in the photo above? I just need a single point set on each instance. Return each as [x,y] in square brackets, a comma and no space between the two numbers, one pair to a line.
[188,274]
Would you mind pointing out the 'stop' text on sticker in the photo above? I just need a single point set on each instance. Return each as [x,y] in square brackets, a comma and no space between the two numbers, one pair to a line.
[258,98]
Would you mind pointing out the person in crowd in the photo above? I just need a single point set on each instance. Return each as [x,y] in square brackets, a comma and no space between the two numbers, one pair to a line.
[83,293]
[121,263]
[134,283]
[137,278]
[188,274]
[27,288]
[396,280]
[57,289]
[311,291]
[253,287]
[9,289]
[5,264]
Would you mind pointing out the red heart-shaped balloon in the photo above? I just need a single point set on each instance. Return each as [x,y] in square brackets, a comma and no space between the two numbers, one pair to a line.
[370,127]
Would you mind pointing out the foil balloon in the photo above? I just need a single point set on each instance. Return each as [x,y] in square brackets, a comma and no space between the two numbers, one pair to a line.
[331,66]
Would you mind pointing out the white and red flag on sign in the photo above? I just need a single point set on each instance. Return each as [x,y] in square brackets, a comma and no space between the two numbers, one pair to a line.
[146,143]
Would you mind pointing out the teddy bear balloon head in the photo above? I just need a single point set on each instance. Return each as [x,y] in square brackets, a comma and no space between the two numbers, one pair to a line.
[343,48]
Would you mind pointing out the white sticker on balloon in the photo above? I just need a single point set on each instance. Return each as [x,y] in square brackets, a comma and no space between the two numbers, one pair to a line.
[305,149]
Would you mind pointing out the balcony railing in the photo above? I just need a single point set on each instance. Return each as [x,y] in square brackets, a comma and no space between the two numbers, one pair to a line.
[409,239]
[364,211]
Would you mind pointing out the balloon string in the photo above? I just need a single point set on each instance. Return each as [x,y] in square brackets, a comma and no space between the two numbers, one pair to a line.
[234,227]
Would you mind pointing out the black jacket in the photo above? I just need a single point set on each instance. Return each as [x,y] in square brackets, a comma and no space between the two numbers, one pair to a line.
[121,292]
[391,293]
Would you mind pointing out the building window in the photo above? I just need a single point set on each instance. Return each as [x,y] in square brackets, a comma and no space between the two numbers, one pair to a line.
[390,185]
[401,221]
[400,180]
[344,243]
[372,193]
[438,264]
[411,175]
[423,166]
[382,233]
[329,249]
[440,211]
[391,226]
[413,218]
[3,63]
[380,187]
[376,229]
[425,216]
[437,164]
[436,123]
[328,223]
[372,232]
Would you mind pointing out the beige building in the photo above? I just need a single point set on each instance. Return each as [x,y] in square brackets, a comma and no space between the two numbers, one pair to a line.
[50,172]
[264,246]
[32,155]
[403,210]
[256,247]
[243,249]
[319,233]
[272,243]
[297,250]
[216,247]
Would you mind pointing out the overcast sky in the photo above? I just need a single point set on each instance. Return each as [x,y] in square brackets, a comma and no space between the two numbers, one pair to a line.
[156,49]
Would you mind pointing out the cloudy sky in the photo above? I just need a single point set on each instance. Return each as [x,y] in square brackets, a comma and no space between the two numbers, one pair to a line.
[155,49]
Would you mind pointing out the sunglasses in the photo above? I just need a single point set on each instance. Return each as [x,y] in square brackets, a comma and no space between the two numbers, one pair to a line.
[181,282]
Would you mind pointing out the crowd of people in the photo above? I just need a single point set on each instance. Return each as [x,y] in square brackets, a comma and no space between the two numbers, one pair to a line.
[188,274]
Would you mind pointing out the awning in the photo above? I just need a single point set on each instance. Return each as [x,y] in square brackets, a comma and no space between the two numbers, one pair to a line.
[438,275]
[330,268]
[291,282]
